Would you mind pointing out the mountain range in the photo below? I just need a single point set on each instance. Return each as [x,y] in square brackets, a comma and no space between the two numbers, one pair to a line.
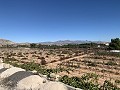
[64,42]
[60,42]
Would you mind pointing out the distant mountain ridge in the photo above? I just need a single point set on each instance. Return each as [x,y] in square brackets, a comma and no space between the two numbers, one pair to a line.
[60,42]
[6,42]
[64,42]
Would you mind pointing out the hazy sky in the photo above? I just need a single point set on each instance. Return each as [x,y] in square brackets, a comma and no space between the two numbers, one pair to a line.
[51,20]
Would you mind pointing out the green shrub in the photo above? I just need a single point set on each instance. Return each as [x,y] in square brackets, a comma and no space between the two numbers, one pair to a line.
[109,86]
[82,82]
[111,63]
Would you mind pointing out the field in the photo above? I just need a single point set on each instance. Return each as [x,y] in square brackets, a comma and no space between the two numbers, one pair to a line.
[74,62]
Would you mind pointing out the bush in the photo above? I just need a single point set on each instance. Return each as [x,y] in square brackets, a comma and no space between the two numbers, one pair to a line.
[111,63]
[30,66]
[86,82]
[92,64]
[82,82]
[109,86]
[43,62]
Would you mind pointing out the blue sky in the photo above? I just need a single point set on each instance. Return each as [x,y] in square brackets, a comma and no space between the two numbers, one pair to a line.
[52,20]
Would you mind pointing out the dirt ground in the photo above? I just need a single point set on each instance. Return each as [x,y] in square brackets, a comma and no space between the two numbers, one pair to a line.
[77,60]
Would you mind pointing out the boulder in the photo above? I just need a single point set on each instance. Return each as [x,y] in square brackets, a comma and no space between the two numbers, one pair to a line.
[54,86]
[30,83]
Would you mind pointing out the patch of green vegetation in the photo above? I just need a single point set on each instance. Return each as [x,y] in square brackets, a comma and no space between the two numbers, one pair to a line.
[111,63]
[93,64]
[115,44]
[90,63]
[88,81]
[109,86]
[104,53]
[33,66]
[117,81]
[85,82]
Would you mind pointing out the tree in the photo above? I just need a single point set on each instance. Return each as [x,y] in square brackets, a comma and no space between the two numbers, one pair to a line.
[33,45]
[43,62]
[115,44]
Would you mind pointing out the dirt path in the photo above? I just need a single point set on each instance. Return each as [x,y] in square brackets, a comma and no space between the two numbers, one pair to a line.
[54,64]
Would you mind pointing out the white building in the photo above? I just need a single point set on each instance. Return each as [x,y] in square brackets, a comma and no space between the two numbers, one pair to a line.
[115,51]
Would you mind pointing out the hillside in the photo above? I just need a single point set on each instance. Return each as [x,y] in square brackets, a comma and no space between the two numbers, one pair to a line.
[5,42]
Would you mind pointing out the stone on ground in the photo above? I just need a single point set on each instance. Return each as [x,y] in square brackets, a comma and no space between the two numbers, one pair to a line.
[30,83]
[54,86]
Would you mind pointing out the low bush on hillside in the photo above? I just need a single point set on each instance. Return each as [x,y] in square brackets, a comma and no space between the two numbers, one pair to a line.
[34,66]
[111,63]
[109,86]
[114,54]
[88,82]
